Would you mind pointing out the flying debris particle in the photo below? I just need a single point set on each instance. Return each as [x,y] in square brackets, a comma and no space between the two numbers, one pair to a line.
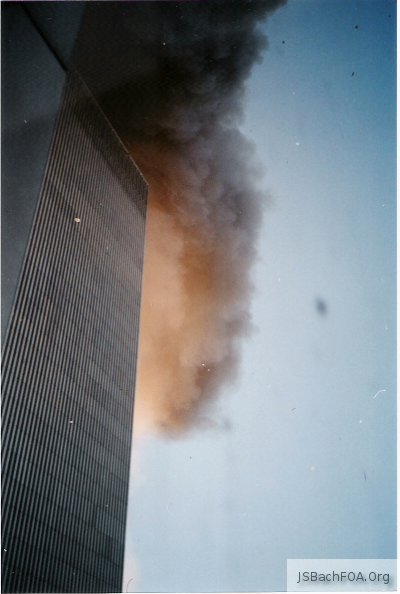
[77,220]
[283,41]
[5,550]
[297,143]
[356,27]
[365,476]
[226,425]
[352,74]
[71,422]
[25,121]
[293,409]
[312,468]
[360,421]
[378,392]
[321,306]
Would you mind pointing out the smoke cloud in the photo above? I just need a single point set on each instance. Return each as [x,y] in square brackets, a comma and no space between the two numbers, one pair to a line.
[179,114]
[203,215]
[199,247]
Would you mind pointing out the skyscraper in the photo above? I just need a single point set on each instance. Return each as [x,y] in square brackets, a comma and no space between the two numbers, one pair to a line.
[74,209]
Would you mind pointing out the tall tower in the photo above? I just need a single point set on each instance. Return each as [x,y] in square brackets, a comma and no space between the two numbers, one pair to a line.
[74,209]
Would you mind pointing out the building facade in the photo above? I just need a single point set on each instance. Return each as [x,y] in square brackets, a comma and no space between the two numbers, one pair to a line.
[74,209]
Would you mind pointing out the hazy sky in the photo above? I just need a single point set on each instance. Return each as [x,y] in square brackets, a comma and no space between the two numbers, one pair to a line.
[301,460]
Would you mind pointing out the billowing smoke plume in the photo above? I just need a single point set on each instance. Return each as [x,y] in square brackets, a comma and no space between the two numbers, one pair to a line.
[180,114]
[204,211]
[202,217]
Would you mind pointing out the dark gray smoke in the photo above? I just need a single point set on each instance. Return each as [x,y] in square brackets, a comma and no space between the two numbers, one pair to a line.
[174,90]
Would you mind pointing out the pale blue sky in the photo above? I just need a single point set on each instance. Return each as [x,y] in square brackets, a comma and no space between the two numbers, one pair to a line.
[307,468]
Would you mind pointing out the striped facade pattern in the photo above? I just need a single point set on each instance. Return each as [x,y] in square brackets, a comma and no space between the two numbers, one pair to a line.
[69,363]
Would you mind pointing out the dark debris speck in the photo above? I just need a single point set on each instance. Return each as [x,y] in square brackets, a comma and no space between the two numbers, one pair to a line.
[321,306]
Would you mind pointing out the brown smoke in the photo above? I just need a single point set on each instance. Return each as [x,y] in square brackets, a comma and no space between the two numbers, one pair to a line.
[199,247]
[178,109]
[203,215]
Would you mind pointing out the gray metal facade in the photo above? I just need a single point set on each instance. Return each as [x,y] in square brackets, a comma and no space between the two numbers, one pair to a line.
[69,361]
